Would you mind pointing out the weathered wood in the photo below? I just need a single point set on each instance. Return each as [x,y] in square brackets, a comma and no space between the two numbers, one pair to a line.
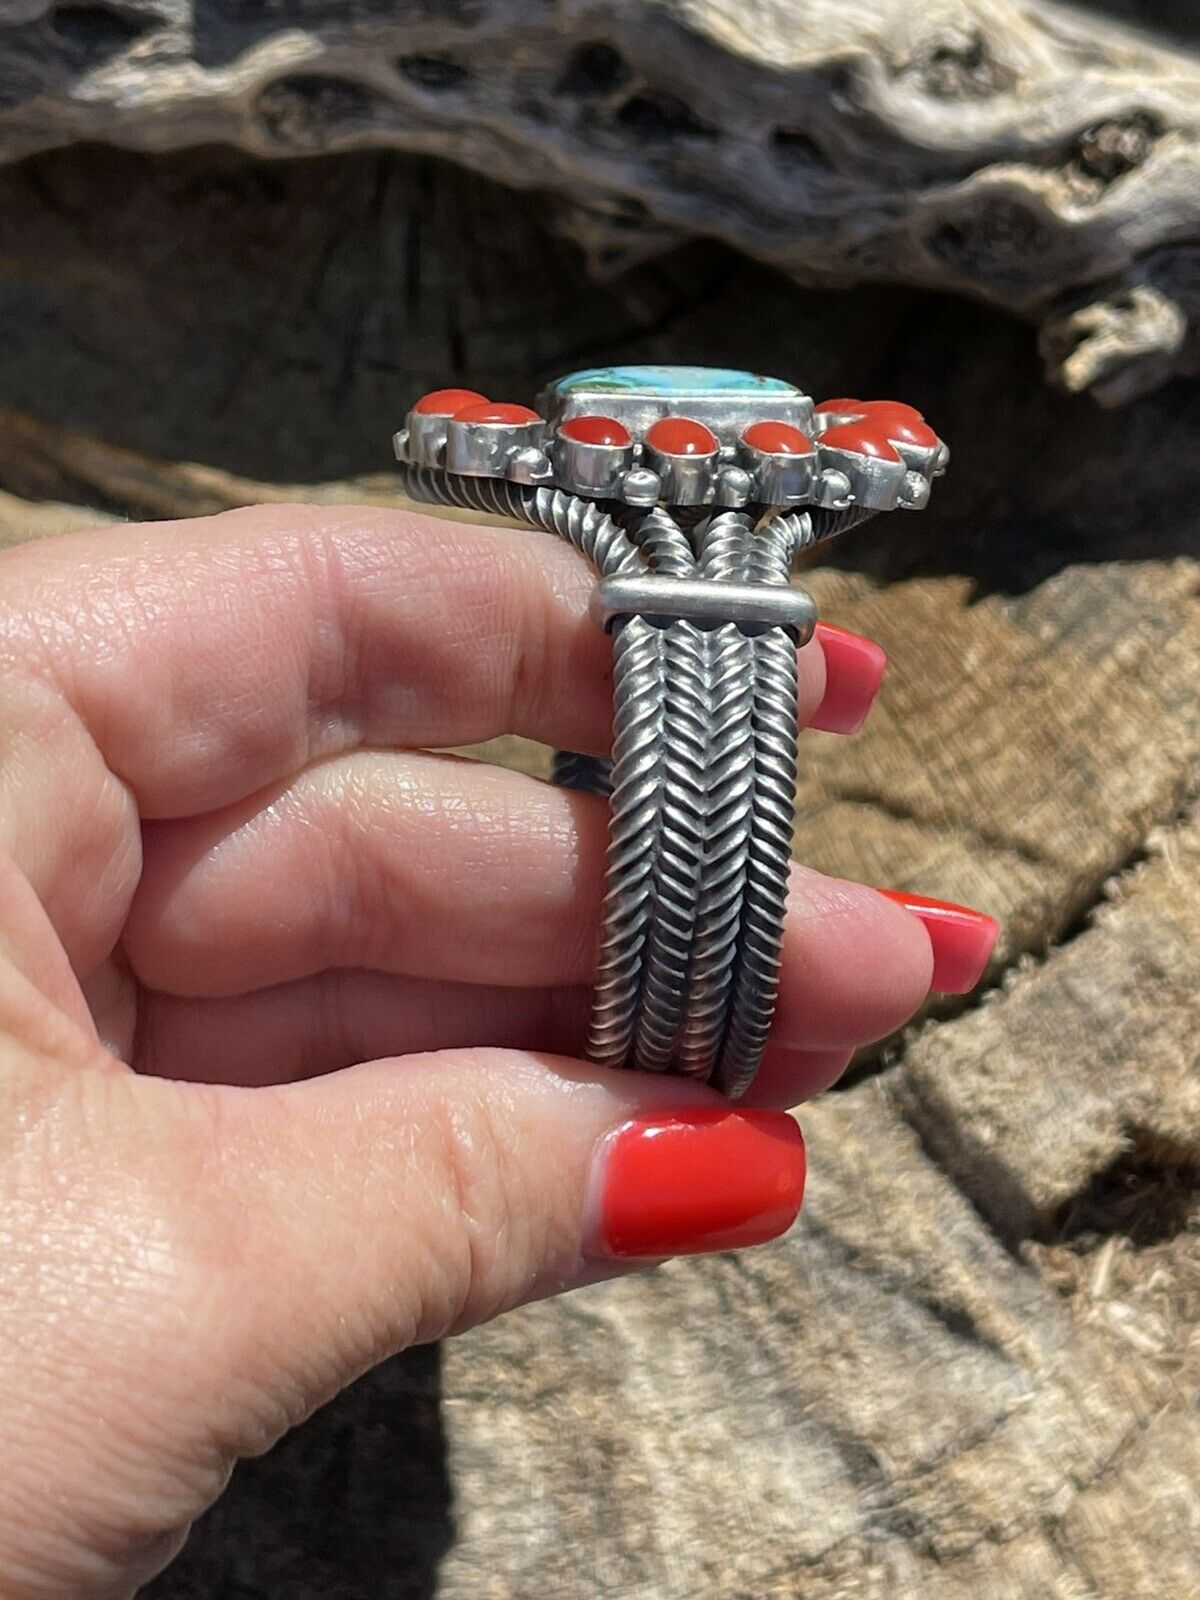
[1026,154]
[1028,1132]
[889,1403]
[1023,747]
[22,519]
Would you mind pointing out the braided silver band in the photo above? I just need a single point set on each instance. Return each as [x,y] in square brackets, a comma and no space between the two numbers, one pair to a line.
[702,776]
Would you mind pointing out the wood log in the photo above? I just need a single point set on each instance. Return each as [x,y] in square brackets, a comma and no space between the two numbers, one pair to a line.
[1034,156]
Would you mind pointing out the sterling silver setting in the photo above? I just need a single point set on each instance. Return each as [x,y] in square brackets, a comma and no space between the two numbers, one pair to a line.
[691,490]
[708,602]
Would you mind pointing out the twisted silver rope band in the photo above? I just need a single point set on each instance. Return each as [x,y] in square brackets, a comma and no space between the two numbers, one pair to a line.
[701,784]
[724,546]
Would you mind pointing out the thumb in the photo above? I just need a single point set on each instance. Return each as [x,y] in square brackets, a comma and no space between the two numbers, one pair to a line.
[403,1200]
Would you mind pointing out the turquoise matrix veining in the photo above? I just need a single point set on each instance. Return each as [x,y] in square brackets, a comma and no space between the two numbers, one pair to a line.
[682,436]
[673,382]
[723,399]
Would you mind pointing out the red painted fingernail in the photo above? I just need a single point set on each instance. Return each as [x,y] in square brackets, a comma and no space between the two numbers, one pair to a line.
[683,1182]
[962,939]
[854,669]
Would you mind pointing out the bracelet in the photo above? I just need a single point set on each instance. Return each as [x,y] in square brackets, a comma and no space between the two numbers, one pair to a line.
[691,490]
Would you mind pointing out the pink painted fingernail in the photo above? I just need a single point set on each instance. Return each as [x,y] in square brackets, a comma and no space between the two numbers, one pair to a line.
[962,939]
[854,669]
[684,1182]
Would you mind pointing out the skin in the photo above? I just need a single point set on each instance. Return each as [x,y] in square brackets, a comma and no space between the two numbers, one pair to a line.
[291,1009]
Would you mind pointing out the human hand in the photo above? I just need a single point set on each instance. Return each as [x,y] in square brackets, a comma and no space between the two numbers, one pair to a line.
[221,886]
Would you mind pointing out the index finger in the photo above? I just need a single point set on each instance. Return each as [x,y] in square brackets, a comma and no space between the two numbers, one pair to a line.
[208,659]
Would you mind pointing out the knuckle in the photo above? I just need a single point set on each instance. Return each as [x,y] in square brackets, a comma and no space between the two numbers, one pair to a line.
[491,1242]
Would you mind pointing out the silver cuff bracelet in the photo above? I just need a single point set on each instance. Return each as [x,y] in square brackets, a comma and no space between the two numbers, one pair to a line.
[690,490]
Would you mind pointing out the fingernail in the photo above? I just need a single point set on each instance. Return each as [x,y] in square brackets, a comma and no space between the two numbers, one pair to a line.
[854,669]
[962,939]
[684,1182]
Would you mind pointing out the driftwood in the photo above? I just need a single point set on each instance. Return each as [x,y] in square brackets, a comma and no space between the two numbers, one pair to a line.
[1022,153]
[973,1370]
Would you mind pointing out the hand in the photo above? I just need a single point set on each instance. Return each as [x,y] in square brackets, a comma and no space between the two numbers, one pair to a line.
[221,885]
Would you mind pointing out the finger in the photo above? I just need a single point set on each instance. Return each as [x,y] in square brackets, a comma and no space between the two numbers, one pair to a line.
[322,1024]
[210,658]
[401,1201]
[319,1025]
[208,1265]
[29,947]
[789,1077]
[422,864]
[170,668]
[437,868]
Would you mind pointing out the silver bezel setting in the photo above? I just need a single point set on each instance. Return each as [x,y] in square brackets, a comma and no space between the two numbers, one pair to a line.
[735,475]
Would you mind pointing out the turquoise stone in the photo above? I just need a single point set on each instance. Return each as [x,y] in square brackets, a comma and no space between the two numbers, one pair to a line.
[671,382]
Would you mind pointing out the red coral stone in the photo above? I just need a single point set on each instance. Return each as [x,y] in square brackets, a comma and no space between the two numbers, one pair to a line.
[892,408]
[595,430]
[863,438]
[680,436]
[842,407]
[777,438]
[448,402]
[487,412]
[902,423]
